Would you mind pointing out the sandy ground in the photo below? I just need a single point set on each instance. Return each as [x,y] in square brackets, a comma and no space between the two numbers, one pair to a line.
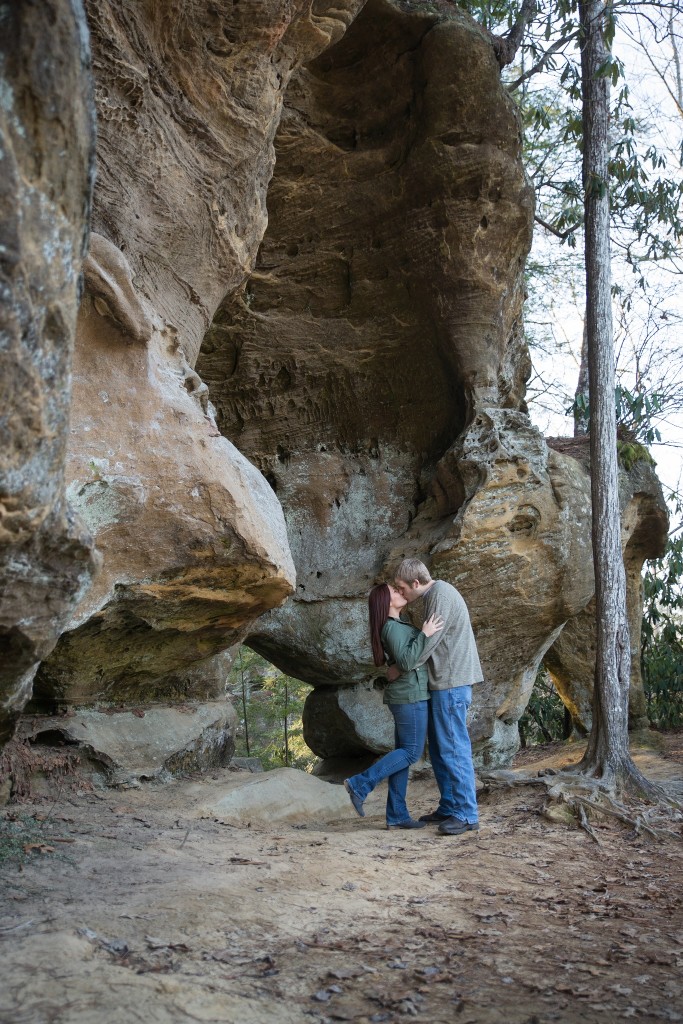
[144,913]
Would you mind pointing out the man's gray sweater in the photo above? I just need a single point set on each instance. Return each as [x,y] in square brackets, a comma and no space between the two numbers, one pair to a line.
[451,654]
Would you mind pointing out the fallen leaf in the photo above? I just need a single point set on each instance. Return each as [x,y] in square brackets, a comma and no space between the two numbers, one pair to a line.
[40,847]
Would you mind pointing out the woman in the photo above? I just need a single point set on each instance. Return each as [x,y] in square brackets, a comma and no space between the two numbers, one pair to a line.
[399,643]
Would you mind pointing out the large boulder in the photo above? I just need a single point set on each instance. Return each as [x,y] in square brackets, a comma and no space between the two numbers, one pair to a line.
[127,747]
[347,721]
[192,538]
[285,796]
[374,367]
[47,134]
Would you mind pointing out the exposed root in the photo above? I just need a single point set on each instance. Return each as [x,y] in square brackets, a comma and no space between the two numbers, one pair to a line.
[587,796]
[20,762]
[502,778]
[610,809]
[585,825]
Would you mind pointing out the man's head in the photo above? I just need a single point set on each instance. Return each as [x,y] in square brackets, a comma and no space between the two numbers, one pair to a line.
[413,579]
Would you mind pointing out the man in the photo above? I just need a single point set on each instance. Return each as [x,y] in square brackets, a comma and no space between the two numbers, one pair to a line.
[453,666]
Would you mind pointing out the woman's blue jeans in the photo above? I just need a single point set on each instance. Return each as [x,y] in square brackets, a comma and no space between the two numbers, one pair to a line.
[410,730]
[450,752]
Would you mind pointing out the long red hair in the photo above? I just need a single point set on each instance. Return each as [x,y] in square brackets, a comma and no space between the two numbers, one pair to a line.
[378,608]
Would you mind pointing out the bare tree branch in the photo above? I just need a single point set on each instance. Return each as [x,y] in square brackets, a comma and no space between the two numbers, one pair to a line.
[677,93]
[554,231]
[540,64]
[505,47]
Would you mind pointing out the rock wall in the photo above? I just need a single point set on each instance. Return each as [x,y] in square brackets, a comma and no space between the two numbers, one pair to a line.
[374,366]
[47,134]
[571,659]
[286,402]
[192,539]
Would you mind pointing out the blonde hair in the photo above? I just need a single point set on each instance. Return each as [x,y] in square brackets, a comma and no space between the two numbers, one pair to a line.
[412,569]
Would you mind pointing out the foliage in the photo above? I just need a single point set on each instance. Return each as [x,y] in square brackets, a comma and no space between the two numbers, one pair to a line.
[545,718]
[21,836]
[645,191]
[662,635]
[272,705]
[645,186]
[635,414]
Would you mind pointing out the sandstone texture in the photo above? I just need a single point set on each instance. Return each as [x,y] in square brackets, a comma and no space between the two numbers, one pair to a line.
[127,747]
[344,721]
[571,659]
[284,796]
[299,357]
[374,369]
[47,134]
[192,538]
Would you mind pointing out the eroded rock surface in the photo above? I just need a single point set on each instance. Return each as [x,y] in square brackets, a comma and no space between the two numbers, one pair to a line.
[46,169]
[374,366]
[354,394]
[127,747]
[347,721]
[285,796]
[571,659]
[187,108]
[374,369]
[192,538]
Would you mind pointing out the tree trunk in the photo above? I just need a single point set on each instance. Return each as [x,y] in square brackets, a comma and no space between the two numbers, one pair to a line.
[286,724]
[607,756]
[245,705]
[582,392]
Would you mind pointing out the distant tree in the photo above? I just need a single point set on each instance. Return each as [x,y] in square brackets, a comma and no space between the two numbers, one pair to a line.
[645,181]
[662,634]
[545,717]
[272,705]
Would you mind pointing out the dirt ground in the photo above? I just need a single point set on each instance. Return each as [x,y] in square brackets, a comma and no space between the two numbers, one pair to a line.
[144,913]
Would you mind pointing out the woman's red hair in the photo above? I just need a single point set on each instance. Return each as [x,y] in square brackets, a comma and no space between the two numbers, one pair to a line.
[378,607]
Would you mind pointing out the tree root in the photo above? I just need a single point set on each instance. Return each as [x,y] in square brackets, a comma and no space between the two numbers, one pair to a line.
[588,797]
[585,824]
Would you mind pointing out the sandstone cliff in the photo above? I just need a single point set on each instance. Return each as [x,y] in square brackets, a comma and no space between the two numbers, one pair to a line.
[299,356]
[47,133]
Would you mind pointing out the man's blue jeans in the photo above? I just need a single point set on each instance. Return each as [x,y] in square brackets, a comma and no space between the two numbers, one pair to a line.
[450,752]
[410,731]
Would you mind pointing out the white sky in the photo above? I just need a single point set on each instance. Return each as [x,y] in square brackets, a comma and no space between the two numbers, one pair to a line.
[560,308]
